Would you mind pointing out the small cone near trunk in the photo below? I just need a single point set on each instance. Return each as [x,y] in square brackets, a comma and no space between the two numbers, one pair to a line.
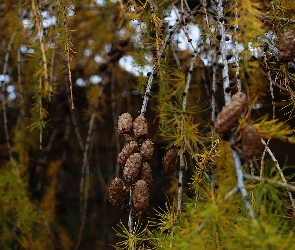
[241,98]
[116,192]
[286,47]
[140,197]
[251,142]
[169,161]
[229,116]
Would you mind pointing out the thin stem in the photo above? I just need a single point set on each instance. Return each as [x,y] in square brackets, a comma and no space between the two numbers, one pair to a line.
[232,192]
[182,146]
[289,187]
[241,184]
[115,120]
[131,214]
[237,57]
[38,23]
[5,121]
[84,184]
[280,171]
[154,69]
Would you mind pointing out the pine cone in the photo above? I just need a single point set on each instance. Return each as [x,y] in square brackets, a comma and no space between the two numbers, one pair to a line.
[129,149]
[230,114]
[132,167]
[116,192]
[241,98]
[147,150]
[140,195]
[286,47]
[251,142]
[124,124]
[169,161]
[140,127]
[146,173]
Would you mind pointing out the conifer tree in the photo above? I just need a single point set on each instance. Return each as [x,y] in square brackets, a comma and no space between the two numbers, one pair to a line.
[152,124]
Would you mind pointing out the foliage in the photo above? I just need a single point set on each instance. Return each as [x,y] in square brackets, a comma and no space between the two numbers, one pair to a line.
[70,68]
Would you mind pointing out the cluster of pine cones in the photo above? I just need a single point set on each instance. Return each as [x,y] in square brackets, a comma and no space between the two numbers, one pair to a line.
[134,159]
[228,118]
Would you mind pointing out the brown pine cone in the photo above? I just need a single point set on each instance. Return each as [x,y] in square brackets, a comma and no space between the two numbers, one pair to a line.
[229,116]
[124,124]
[169,161]
[140,127]
[132,167]
[140,197]
[147,150]
[146,173]
[241,98]
[251,142]
[286,47]
[129,149]
[116,192]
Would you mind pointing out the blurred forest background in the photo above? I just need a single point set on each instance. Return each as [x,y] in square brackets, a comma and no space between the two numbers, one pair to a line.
[69,69]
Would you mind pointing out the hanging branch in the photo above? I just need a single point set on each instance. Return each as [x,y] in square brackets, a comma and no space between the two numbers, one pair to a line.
[289,187]
[3,85]
[68,46]
[84,184]
[19,82]
[271,83]
[227,97]
[182,143]
[154,68]
[38,23]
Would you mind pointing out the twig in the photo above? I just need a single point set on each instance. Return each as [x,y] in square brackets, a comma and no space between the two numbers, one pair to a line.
[237,57]
[3,85]
[115,120]
[38,23]
[266,180]
[66,137]
[154,68]
[235,190]
[280,171]
[19,82]
[181,154]
[67,44]
[241,184]
[84,184]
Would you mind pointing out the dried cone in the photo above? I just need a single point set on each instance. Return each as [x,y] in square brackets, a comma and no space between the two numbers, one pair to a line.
[230,114]
[241,98]
[140,127]
[116,192]
[140,197]
[146,173]
[132,167]
[124,124]
[286,47]
[147,150]
[169,161]
[251,142]
[129,149]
